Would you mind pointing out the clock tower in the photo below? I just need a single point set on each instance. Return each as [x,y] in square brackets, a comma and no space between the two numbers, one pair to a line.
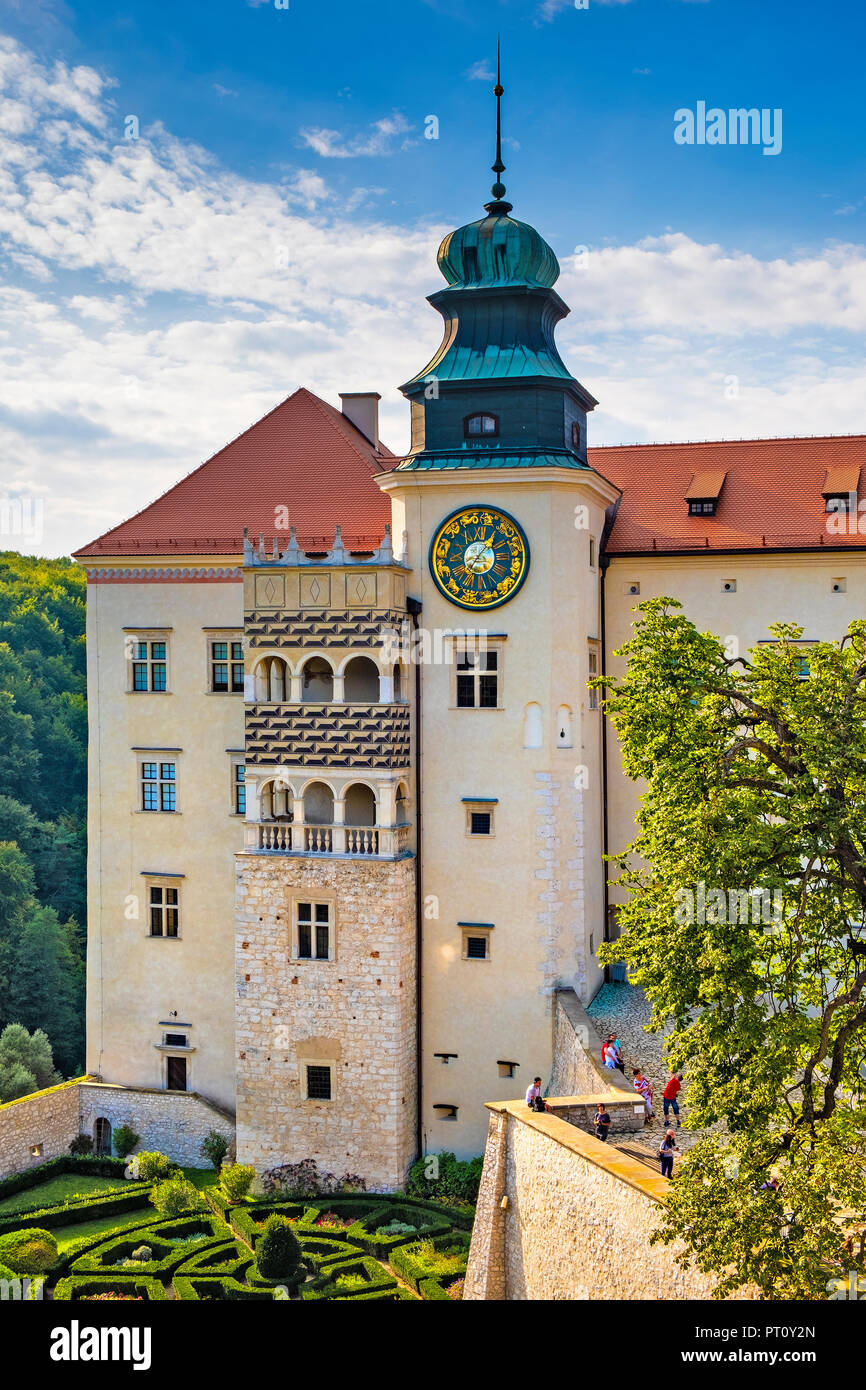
[503,519]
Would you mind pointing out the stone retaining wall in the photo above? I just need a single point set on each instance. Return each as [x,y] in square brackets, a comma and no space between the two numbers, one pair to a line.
[576,1221]
[47,1120]
[172,1122]
[577,1066]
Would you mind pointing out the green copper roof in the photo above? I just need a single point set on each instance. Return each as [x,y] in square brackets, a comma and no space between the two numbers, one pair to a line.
[497,251]
[475,458]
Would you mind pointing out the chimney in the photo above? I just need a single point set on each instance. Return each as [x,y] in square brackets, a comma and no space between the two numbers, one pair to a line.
[362,409]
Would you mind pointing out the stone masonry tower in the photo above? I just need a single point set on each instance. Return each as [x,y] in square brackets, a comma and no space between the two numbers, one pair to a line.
[326,921]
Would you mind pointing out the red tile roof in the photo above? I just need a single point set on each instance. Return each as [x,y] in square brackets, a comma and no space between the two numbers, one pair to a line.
[303,455]
[772,496]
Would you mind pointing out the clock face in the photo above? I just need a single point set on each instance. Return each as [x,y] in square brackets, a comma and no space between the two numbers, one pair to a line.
[479,557]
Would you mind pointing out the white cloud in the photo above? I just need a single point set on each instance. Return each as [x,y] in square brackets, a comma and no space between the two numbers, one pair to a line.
[164,303]
[382,137]
[480,72]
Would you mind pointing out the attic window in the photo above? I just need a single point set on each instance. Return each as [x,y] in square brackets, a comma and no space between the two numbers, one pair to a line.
[702,494]
[475,425]
[841,483]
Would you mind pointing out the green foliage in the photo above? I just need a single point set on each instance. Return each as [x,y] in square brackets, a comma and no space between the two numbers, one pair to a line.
[756,782]
[236,1180]
[214,1148]
[43,757]
[278,1253]
[152,1166]
[124,1139]
[26,1063]
[446,1177]
[31,1251]
[175,1196]
[81,1144]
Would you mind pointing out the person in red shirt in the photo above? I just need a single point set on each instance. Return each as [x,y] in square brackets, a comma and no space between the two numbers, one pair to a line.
[670,1093]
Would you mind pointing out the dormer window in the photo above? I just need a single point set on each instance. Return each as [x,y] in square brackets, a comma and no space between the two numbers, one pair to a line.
[481,426]
[841,483]
[702,494]
[575,434]
[840,502]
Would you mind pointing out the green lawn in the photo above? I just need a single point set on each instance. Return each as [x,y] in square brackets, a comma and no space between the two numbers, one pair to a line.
[56,1190]
[107,1225]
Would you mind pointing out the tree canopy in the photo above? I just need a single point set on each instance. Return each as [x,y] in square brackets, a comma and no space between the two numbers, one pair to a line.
[746,895]
[43,768]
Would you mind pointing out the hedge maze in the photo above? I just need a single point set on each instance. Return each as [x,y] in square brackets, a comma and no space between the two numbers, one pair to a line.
[357,1246]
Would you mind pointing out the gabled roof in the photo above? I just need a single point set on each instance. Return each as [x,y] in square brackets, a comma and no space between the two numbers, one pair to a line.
[772,499]
[304,455]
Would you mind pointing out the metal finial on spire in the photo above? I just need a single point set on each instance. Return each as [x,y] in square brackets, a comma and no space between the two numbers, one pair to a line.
[498,189]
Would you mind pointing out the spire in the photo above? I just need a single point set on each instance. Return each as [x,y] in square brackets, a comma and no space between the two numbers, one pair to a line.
[498,189]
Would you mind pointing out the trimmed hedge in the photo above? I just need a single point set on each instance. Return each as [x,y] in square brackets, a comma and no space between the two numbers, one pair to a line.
[326,1285]
[103,1257]
[84,1209]
[416,1272]
[76,1287]
[85,1164]
[229,1260]
[221,1289]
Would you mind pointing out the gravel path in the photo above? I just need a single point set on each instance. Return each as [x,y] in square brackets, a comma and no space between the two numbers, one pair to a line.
[625,1010]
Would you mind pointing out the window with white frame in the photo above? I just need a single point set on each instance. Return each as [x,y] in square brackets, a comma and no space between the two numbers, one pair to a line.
[226,666]
[313,930]
[478,676]
[158,786]
[149,665]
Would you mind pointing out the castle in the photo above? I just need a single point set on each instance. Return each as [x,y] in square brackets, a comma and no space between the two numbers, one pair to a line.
[349,789]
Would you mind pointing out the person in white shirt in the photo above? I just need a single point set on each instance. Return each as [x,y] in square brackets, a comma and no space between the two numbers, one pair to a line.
[534,1098]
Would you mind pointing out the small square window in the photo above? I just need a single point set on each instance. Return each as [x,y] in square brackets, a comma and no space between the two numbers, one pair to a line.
[476,948]
[479,823]
[318,1083]
[36,1150]
[476,941]
[480,816]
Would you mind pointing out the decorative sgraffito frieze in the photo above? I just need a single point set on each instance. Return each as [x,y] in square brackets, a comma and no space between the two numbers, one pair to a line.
[347,736]
[319,627]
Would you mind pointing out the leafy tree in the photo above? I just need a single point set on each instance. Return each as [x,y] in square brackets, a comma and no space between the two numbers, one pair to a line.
[47,985]
[214,1148]
[278,1253]
[236,1180]
[125,1140]
[26,1063]
[747,885]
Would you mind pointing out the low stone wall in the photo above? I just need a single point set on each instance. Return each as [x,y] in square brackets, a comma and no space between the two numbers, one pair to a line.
[172,1122]
[577,1065]
[46,1120]
[627,1112]
[577,1220]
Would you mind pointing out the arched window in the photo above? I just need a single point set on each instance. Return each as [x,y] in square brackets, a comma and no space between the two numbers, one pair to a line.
[272,681]
[360,805]
[477,426]
[575,434]
[361,682]
[317,685]
[102,1137]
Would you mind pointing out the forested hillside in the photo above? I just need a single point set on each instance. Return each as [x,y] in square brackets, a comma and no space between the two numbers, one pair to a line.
[43,770]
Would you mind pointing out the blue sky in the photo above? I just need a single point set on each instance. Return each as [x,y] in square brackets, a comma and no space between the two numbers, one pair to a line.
[276,221]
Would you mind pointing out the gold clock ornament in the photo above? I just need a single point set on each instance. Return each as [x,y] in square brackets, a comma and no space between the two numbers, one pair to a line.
[479,557]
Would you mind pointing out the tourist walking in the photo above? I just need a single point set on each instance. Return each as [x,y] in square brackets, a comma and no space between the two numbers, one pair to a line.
[670,1093]
[644,1088]
[602,1123]
[666,1153]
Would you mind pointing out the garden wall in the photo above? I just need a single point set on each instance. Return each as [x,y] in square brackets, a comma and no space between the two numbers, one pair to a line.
[173,1122]
[46,1120]
[577,1065]
[577,1221]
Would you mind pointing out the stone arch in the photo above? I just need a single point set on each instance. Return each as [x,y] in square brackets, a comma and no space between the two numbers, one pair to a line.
[272,678]
[401,804]
[318,803]
[102,1136]
[361,804]
[276,800]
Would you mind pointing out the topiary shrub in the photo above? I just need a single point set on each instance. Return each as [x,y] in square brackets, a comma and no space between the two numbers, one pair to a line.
[214,1148]
[175,1196]
[236,1180]
[31,1251]
[445,1177]
[125,1140]
[81,1144]
[278,1254]
[151,1167]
